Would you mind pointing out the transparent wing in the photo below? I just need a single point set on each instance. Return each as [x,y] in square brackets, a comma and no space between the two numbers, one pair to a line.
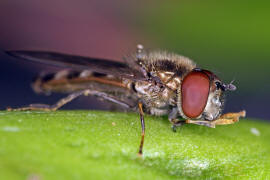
[80,63]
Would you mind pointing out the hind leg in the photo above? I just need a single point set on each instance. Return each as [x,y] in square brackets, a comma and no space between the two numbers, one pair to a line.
[69,98]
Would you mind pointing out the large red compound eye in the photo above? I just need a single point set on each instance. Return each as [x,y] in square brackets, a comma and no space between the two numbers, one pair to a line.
[194,93]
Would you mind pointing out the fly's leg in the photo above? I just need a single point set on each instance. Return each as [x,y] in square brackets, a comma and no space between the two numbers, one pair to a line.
[228,118]
[177,124]
[234,116]
[202,123]
[46,107]
[65,100]
[174,120]
[143,128]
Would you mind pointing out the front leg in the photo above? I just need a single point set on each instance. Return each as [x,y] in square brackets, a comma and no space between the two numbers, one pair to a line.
[173,118]
[201,122]
[234,116]
[228,118]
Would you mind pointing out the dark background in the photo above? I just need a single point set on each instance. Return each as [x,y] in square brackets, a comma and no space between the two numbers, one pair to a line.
[229,38]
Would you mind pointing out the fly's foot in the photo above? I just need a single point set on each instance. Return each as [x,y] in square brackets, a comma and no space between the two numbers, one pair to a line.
[34,107]
[176,124]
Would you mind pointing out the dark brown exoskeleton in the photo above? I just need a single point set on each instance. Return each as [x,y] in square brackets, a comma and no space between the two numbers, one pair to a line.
[154,82]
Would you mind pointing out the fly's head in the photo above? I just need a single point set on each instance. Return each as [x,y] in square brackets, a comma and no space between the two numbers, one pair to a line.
[201,95]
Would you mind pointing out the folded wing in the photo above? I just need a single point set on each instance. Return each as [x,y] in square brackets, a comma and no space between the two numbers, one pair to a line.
[104,66]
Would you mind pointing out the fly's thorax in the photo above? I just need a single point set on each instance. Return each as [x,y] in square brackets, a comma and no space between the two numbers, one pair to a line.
[154,95]
[174,83]
[164,72]
[145,87]
[198,96]
[165,76]
[169,79]
[162,61]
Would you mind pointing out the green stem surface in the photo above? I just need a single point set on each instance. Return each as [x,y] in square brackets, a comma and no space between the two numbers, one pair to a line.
[104,145]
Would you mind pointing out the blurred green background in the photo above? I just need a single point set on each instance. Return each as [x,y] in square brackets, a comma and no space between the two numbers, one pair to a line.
[229,36]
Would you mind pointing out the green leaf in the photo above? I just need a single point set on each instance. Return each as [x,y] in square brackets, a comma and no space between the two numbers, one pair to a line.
[104,145]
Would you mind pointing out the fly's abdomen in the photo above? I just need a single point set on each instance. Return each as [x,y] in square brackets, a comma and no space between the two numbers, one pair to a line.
[67,81]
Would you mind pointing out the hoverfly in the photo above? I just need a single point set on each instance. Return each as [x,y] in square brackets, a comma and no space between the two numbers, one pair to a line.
[153,82]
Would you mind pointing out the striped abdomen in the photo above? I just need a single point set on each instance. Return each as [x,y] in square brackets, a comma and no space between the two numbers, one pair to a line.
[67,81]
